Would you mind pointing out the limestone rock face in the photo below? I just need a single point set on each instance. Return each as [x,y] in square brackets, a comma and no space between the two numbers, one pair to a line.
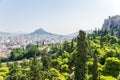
[112,25]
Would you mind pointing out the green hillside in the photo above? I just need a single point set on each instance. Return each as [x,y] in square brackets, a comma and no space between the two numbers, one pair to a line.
[62,62]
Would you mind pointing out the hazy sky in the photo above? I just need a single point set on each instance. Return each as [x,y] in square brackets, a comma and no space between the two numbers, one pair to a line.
[56,16]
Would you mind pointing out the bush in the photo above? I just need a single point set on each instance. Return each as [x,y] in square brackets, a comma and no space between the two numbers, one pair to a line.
[56,75]
[64,68]
[103,77]
[3,74]
[118,78]
[112,67]
[1,78]
[90,67]
[109,78]
[17,54]
[67,76]
[113,40]
[4,69]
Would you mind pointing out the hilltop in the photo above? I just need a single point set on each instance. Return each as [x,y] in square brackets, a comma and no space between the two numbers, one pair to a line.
[41,31]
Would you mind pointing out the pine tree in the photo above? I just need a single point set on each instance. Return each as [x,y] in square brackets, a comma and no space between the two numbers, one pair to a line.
[24,63]
[105,32]
[60,51]
[112,33]
[46,59]
[0,64]
[98,32]
[66,46]
[35,69]
[95,67]
[119,34]
[80,62]
[72,46]
[101,41]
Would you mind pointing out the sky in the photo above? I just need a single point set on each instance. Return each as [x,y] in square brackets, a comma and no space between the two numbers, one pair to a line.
[55,16]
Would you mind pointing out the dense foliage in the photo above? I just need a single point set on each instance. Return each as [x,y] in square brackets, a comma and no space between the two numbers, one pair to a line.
[59,62]
[80,59]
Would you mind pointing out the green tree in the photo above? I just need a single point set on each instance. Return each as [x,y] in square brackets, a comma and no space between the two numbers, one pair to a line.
[118,33]
[56,75]
[72,46]
[118,78]
[66,46]
[46,60]
[31,49]
[35,69]
[80,63]
[101,41]
[112,32]
[17,54]
[113,39]
[15,73]
[1,78]
[60,51]
[0,64]
[95,66]
[98,32]
[105,32]
[25,63]
[112,67]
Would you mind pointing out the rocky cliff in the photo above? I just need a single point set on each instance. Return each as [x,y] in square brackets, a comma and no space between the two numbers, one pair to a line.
[112,25]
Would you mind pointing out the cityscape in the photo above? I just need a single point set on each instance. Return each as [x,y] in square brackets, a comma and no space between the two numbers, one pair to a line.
[59,39]
[8,41]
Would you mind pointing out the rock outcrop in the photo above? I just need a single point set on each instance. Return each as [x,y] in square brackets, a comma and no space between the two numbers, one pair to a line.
[112,25]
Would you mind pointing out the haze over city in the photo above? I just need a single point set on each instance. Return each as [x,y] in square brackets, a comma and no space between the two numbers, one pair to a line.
[56,16]
[59,39]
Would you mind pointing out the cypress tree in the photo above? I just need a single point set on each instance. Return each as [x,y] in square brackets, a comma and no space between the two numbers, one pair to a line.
[80,61]
[98,32]
[66,46]
[119,34]
[112,33]
[101,41]
[72,46]
[95,67]
[105,32]
[0,64]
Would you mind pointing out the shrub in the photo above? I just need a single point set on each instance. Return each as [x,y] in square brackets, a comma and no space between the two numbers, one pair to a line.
[2,74]
[112,67]
[64,68]
[67,76]
[4,69]
[103,77]
[1,78]
[56,75]
[109,78]
[118,78]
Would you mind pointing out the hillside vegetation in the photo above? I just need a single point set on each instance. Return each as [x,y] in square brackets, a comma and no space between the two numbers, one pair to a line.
[101,54]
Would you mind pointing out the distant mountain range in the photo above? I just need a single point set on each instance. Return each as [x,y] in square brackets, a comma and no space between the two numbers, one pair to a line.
[42,32]
[111,25]
[4,34]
